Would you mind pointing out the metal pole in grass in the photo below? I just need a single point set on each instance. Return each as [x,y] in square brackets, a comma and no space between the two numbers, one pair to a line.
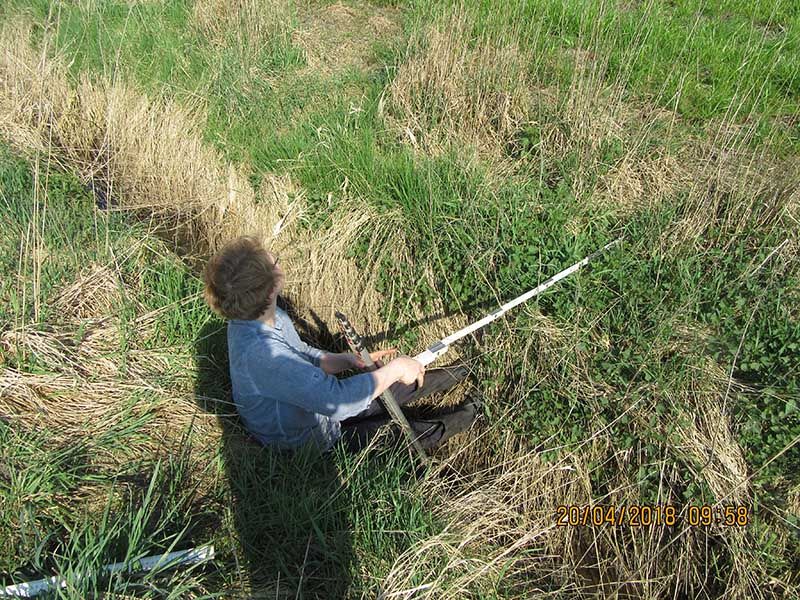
[387,398]
[148,563]
[436,350]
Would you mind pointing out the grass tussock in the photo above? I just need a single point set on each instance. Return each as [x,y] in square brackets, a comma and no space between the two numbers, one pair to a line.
[147,156]
[734,188]
[248,26]
[93,294]
[453,90]
[337,37]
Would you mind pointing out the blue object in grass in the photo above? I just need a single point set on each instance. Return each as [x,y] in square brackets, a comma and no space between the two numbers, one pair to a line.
[102,198]
[283,396]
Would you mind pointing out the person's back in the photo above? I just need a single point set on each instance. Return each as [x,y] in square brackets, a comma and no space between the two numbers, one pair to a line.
[276,410]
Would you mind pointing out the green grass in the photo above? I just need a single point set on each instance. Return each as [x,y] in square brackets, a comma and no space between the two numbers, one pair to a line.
[51,533]
[69,232]
[320,511]
[700,59]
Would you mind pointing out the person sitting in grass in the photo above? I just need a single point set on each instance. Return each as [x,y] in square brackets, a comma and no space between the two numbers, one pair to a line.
[286,391]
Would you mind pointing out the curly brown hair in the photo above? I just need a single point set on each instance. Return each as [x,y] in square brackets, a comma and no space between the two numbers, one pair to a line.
[239,279]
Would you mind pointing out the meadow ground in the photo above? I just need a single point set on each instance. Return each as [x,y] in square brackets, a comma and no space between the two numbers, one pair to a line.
[426,161]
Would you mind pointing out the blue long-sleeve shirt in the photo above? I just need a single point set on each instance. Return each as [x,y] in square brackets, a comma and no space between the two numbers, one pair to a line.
[283,396]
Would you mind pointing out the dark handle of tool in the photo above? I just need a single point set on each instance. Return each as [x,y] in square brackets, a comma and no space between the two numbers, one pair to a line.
[355,341]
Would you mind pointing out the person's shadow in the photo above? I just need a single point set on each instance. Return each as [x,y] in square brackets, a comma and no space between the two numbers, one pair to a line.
[290,515]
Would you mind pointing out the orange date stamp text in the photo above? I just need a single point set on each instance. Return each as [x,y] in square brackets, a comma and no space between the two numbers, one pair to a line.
[655,515]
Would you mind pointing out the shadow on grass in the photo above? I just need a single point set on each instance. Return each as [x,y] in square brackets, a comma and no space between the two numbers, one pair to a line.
[320,333]
[291,520]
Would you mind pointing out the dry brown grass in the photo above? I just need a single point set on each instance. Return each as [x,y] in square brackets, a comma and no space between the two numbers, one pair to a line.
[498,524]
[144,154]
[339,36]
[85,385]
[635,182]
[707,433]
[501,532]
[450,91]
[733,188]
[499,512]
[94,294]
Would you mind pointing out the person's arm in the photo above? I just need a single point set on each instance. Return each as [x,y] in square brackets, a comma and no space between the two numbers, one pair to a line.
[315,355]
[287,377]
[294,381]
[336,362]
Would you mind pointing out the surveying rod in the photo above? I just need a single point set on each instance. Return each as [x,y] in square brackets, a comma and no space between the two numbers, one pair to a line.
[436,350]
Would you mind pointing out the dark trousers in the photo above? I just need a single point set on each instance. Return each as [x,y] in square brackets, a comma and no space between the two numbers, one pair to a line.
[359,430]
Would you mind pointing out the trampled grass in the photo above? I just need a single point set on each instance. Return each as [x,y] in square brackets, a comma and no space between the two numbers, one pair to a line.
[427,161]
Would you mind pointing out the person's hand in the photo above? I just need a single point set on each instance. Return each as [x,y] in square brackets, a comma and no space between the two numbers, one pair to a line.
[376,357]
[410,370]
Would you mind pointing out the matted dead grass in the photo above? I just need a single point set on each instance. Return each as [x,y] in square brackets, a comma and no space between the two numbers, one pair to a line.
[452,90]
[338,36]
[85,383]
[707,433]
[500,531]
[635,182]
[95,293]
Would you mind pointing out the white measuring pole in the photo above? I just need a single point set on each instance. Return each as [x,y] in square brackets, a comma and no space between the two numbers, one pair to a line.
[195,555]
[436,350]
